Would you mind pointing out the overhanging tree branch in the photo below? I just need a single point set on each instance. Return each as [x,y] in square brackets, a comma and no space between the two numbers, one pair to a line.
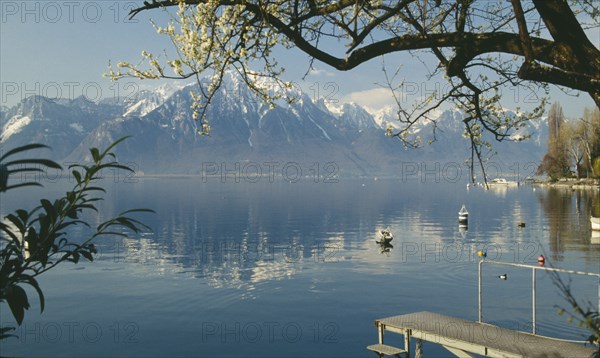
[470,39]
[571,51]
[545,74]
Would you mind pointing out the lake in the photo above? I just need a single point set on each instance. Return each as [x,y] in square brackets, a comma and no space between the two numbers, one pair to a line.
[275,268]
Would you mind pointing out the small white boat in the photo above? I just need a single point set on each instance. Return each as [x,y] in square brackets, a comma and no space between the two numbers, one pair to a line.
[595,223]
[463,215]
[386,236]
[502,181]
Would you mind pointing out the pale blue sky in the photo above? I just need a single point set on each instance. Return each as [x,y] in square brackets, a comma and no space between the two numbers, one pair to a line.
[62,48]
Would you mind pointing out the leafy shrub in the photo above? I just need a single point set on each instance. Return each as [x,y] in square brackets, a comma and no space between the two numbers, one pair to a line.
[35,241]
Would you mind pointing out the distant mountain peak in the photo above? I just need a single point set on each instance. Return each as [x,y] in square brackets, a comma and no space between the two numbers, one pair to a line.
[13,126]
[145,101]
[244,129]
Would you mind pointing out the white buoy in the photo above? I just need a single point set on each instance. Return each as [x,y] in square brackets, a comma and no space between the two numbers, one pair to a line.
[463,215]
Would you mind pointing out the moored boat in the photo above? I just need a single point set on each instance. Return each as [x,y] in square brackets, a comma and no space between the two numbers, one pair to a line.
[595,223]
[502,181]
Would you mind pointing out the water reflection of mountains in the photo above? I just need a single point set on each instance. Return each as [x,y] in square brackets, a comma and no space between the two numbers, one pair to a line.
[240,234]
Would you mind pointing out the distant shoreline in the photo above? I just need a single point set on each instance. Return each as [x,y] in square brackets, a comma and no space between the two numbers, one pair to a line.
[574,184]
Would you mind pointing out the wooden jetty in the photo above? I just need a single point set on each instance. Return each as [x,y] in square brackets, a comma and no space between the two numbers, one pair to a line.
[462,337]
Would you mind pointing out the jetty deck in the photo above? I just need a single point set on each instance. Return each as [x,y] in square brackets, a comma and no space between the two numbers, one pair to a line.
[462,337]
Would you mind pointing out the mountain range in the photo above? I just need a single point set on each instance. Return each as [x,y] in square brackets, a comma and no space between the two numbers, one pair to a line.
[342,139]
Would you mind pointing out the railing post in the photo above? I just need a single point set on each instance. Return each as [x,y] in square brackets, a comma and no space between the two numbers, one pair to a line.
[533,297]
[533,285]
[479,317]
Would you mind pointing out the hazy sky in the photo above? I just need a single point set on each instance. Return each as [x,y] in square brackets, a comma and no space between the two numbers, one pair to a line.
[61,49]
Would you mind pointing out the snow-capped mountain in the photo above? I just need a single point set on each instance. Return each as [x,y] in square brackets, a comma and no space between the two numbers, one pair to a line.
[145,101]
[244,130]
[61,125]
[351,116]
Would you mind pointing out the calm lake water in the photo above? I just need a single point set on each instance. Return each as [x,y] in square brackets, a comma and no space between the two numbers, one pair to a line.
[278,269]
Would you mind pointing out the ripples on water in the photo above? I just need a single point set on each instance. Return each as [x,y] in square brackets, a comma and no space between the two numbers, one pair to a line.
[292,269]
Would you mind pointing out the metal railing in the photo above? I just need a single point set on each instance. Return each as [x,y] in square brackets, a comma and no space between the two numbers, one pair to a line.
[533,283]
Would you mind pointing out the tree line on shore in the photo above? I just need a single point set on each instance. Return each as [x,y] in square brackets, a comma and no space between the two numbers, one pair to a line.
[573,145]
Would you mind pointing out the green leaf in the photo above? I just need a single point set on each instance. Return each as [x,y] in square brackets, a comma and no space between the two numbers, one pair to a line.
[30,169]
[22,149]
[17,301]
[139,224]
[118,166]
[94,188]
[87,206]
[22,214]
[20,185]
[74,166]
[95,154]
[72,213]
[16,222]
[127,223]
[142,210]
[5,228]
[45,162]
[93,199]
[50,209]
[108,233]
[3,177]
[74,257]
[114,145]
[91,172]
[33,283]
[4,332]
[87,255]
[77,176]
